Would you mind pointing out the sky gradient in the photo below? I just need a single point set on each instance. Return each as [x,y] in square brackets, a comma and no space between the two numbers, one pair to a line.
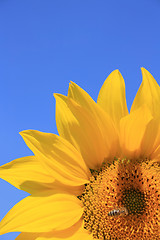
[45,44]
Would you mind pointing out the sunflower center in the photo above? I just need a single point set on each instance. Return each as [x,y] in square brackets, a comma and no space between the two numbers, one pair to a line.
[122,199]
[134,201]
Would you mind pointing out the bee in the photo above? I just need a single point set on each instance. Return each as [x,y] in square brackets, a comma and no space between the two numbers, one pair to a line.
[122,211]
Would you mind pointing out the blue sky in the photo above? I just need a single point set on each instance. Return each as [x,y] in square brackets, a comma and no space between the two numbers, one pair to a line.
[45,44]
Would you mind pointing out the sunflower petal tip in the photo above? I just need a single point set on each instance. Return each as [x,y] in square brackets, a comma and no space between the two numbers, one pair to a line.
[70,85]
[25,133]
[73,84]
[21,133]
[57,95]
[146,75]
[116,73]
[144,71]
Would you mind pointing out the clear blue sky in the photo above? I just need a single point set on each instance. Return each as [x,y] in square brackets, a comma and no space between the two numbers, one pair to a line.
[45,44]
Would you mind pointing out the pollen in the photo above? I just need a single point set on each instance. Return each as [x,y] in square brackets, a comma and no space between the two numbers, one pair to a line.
[133,186]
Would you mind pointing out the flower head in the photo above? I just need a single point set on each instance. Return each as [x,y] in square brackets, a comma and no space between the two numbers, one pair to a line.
[99,179]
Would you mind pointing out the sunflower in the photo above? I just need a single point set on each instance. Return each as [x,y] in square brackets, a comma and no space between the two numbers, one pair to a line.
[99,179]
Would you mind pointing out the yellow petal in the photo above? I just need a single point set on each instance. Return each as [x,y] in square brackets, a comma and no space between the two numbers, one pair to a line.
[77,236]
[34,187]
[93,136]
[132,130]
[112,97]
[27,236]
[62,160]
[102,120]
[149,94]
[76,232]
[55,188]
[24,172]
[149,142]
[83,98]
[46,189]
[156,154]
[58,187]
[42,214]
[156,147]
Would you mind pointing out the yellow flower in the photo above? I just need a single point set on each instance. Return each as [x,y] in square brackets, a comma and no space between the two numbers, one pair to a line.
[100,178]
